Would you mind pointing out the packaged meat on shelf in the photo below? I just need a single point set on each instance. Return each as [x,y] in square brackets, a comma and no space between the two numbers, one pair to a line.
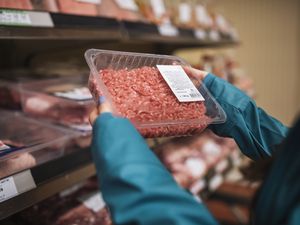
[78,7]
[189,159]
[45,5]
[155,11]
[203,18]
[16,4]
[141,88]
[121,10]
[65,101]
[9,95]
[182,13]
[10,83]
[26,142]
[226,67]
[224,26]
[80,204]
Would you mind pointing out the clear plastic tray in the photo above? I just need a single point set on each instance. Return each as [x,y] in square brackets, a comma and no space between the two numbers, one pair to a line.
[65,101]
[26,142]
[9,95]
[101,61]
[10,82]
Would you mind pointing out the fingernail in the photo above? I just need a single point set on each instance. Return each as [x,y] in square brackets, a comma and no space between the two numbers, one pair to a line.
[101,99]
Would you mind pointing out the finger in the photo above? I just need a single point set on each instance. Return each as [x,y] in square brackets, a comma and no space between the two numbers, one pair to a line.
[93,116]
[198,74]
[104,106]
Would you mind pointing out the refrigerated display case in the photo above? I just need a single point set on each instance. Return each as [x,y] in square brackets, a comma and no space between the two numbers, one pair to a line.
[65,101]
[46,28]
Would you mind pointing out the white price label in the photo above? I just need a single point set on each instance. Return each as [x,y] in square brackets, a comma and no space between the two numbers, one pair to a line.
[93,201]
[200,14]
[185,12]
[78,94]
[10,17]
[214,35]
[200,34]
[127,4]
[167,29]
[7,189]
[179,82]
[90,1]
[158,7]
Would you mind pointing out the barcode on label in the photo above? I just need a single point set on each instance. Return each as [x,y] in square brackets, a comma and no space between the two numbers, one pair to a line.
[194,95]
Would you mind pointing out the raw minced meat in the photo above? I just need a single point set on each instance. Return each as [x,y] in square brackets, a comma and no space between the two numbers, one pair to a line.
[143,96]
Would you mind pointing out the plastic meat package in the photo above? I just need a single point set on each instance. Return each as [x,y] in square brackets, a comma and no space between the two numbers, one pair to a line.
[25,142]
[65,101]
[9,95]
[182,13]
[20,4]
[78,7]
[154,11]
[190,158]
[47,5]
[138,91]
[120,9]
[10,83]
[70,206]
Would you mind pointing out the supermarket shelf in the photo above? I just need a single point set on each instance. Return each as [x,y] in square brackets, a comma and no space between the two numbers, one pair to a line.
[70,27]
[57,26]
[186,37]
[45,180]
[57,33]
[40,182]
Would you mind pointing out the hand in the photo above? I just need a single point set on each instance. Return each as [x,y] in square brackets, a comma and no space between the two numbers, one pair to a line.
[198,74]
[103,107]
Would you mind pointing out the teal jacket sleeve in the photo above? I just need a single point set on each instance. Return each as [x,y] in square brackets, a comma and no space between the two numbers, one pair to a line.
[256,132]
[135,185]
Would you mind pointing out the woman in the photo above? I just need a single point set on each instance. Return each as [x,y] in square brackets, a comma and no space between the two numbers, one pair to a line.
[139,190]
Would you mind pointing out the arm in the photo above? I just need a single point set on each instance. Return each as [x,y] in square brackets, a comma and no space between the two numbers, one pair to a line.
[135,185]
[254,130]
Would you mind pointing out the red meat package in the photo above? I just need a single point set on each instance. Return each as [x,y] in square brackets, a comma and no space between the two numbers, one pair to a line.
[80,204]
[77,7]
[139,90]
[16,4]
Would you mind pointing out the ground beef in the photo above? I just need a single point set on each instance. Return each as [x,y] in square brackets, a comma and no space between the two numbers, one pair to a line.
[143,96]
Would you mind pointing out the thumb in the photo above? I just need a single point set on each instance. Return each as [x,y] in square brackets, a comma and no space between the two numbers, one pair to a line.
[198,74]
[104,106]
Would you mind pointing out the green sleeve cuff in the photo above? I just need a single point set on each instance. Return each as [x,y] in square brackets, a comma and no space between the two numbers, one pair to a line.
[208,80]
